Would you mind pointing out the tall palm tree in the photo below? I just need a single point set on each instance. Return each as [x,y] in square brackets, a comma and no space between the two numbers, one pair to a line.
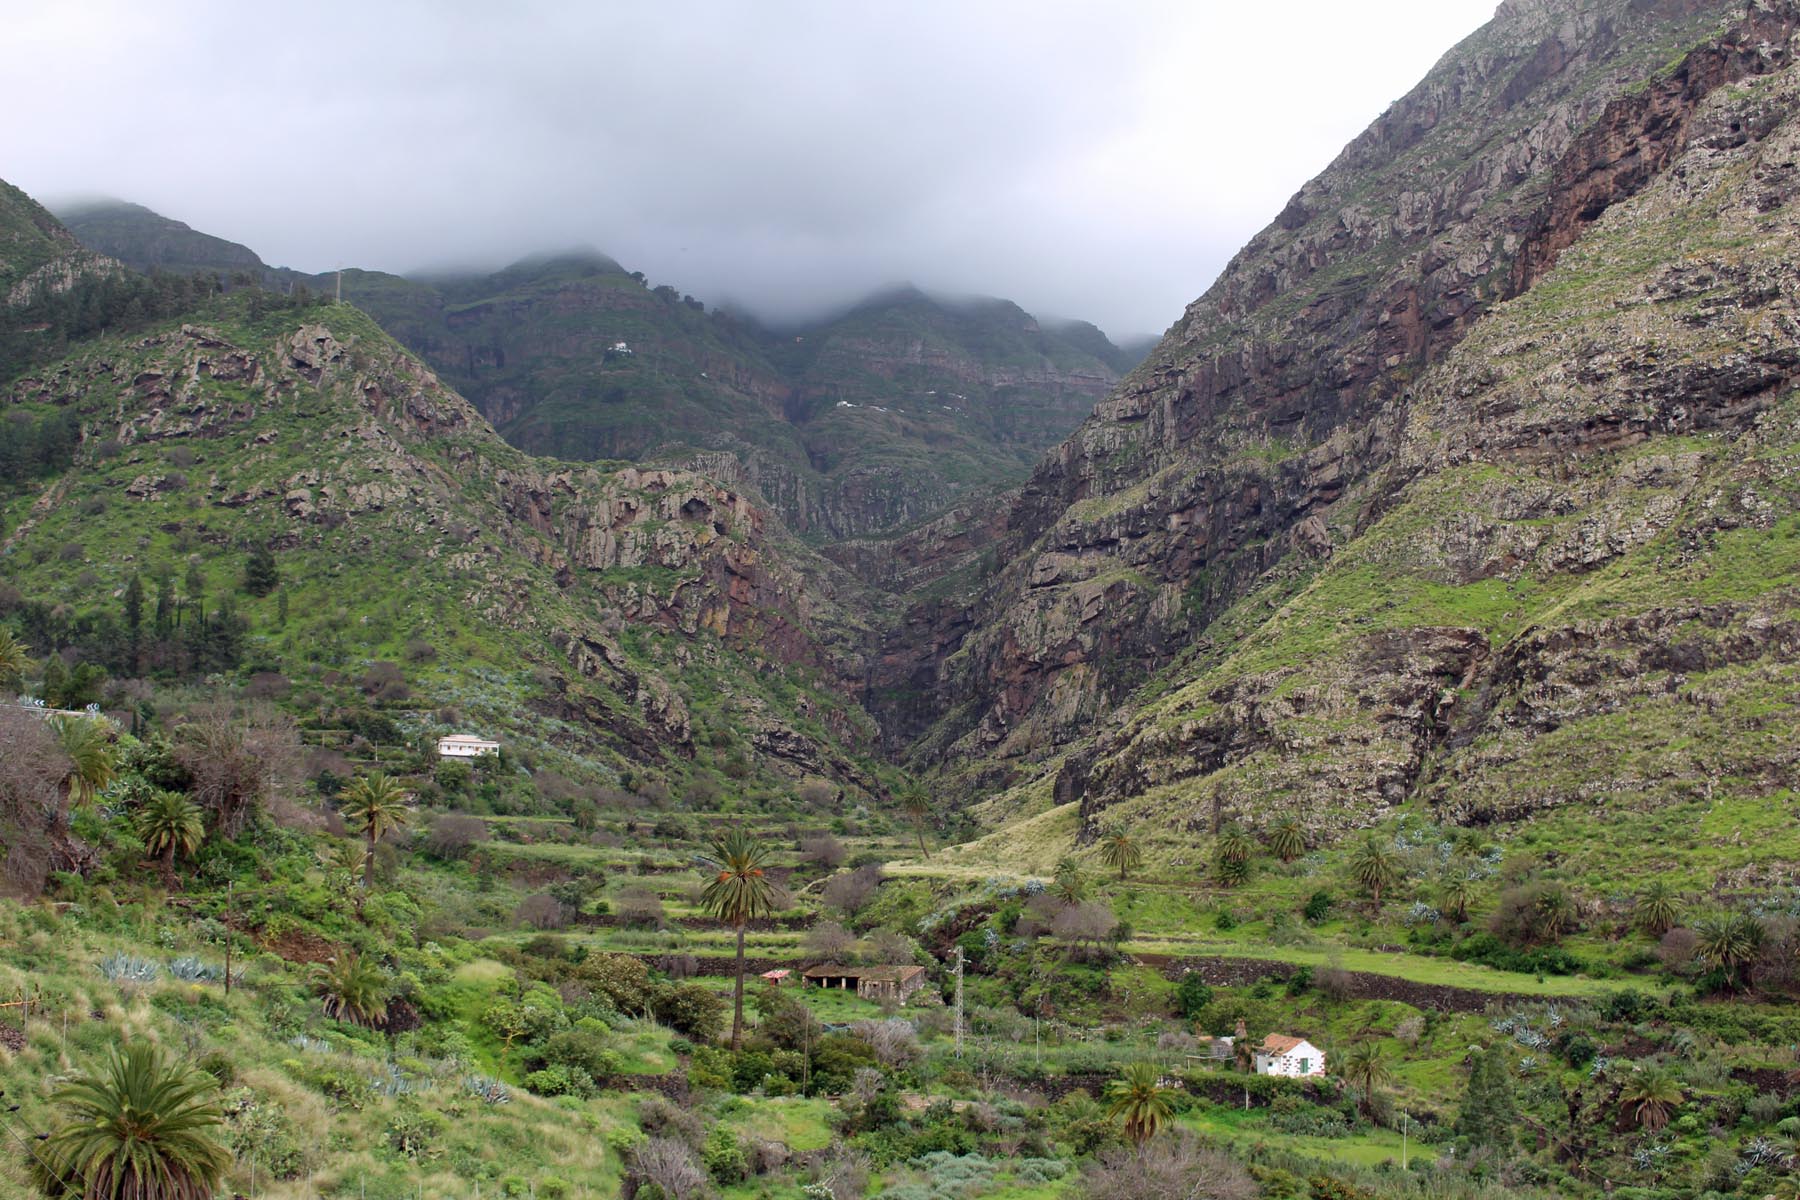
[374,806]
[1659,908]
[353,989]
[1648,1095]
[1139,1102]
[140,1128]
[1366,1066]
[14,658]
[739,892]
[87,743]
[917,808]
[171,826]
[1119,849]
[1287,841]
[1375,866]
[1234,844]
[1729,942]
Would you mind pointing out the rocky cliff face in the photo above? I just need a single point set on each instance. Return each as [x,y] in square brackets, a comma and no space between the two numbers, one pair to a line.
[1234,465]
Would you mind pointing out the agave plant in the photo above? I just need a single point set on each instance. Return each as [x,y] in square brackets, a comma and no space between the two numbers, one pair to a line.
[126,968]
[487,1089]
[190,969]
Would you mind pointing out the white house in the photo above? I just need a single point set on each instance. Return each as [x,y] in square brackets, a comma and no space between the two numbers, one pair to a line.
[1293,1057]
[465,745]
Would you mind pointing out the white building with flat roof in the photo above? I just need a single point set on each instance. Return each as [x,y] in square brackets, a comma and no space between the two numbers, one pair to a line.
[465,745]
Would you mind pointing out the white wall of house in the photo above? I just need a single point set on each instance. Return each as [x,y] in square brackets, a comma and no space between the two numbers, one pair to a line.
[1302,1060]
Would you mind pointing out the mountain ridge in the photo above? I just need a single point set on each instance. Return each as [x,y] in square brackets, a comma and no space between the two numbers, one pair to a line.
[570,354]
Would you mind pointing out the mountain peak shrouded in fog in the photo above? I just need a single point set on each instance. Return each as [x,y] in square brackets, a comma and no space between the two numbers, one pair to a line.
[1101,161]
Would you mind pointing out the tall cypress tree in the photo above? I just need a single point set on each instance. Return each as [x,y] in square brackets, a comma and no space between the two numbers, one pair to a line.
[134,617]
[260,574]
[1489,1111]
[165,604]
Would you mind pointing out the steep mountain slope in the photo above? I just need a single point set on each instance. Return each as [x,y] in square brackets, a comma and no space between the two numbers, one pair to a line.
[645,617]
[149,241]
[1255,442]
[1577,584]
[38,256]
[859,425]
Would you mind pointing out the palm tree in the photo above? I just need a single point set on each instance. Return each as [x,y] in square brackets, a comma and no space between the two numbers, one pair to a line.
[1729,942]
[171,826]
[1287,841]
[1139,1102]
[353,989]
[1234,844]
[737,894]
[1366,1066]
[13,659]
[1230,872]
[1119,849]
[140,1128]
[374,806]
[1069,887]
[1552,913]
[1455,893]
[917,808]
[1375,866]
[344,858]
[87,745]
[1648,1096]
[1659,908]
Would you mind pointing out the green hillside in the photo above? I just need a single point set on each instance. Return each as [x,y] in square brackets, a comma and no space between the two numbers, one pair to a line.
[541,603]
[1358,763]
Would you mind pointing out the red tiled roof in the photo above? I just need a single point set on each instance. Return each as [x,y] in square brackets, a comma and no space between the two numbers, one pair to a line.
[1281,1043]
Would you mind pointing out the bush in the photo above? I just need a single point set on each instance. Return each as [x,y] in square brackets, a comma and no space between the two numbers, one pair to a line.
[691,1009]
[1192,995]
[1488,950]
[560,1080]
[413,1131]
[724,1157]
[454,835]
[624,981]
[542,911]
[1318,907]
[580,1049]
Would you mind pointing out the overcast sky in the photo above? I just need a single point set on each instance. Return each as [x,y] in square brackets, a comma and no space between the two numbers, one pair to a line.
[1091,160]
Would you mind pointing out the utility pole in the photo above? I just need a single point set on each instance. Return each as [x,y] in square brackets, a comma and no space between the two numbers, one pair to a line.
[340,285]
[959,999]
[229,884]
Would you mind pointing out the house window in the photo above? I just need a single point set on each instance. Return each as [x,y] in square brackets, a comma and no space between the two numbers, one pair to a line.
[1305,1066]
